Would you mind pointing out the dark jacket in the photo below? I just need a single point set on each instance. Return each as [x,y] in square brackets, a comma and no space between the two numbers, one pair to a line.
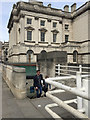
[37,82]
[45,87]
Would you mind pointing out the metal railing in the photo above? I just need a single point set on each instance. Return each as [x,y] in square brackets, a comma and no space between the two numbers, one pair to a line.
[82,89]
[70,70]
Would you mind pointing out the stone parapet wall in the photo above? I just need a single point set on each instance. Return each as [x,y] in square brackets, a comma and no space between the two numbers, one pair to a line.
[15,78]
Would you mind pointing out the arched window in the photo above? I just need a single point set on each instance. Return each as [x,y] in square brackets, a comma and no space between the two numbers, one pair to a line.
[29,56]
[75,56]
[43,51]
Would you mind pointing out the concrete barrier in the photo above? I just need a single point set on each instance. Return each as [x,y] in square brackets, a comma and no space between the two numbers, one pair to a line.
[15,78]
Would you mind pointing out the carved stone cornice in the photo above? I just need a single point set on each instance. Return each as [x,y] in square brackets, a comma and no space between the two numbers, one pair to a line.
[55,31]
[43,29]
[29,28]
[27,6]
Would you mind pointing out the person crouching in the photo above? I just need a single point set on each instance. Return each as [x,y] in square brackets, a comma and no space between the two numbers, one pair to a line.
[37,83]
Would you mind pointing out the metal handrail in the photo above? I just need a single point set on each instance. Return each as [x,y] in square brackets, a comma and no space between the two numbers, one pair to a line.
[68,66]
[60,69]
[74,67]
[67,88]
[62,73]
[67,107]
[66,70]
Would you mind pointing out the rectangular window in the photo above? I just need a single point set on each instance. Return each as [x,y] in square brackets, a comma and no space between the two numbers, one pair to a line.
[29,35]
[54,24]
[42,23]
[66,27]
[29,21]
[54,37]
[66,38]
[42,36]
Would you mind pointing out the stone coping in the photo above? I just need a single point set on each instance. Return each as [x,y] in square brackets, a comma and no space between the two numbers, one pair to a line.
[18,69]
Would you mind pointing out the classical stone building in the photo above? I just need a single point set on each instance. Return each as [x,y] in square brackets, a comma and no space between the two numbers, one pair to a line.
[5,47]
[34,28]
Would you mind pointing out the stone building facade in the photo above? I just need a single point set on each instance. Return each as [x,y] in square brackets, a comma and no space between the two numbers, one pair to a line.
[34,28]
[5,47]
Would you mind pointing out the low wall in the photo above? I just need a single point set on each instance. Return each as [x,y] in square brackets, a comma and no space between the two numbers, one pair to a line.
[15,78]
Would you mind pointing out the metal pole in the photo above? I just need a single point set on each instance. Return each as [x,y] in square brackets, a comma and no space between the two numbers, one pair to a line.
[59,69]
[79,86]
[62,78]
[69,89]
[66,107]
[80,68]
[53,114]
[65,77]
[86,103]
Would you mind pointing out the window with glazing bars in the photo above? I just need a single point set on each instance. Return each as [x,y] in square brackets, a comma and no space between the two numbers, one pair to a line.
[66,38]
[66,27]
[42,36]
[54,24]
[29,21]
[29,35]
[54,37]
[42,23]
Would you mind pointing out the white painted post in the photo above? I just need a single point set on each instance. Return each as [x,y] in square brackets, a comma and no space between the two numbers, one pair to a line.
[37,67]
[86,103]
[59,69]
[80,68]
[79,86]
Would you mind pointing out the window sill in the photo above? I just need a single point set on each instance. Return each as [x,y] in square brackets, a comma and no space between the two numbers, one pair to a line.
[74,62]
[55,43]
[43,42]
[29,41]
[64,43]
[66,30]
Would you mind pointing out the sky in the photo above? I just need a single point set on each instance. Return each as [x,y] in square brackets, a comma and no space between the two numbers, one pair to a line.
[6,7]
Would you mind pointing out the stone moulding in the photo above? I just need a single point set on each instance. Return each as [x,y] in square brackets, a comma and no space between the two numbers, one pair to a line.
[43,29]
[55,31]
[29,28]
[29,41]
[26,6]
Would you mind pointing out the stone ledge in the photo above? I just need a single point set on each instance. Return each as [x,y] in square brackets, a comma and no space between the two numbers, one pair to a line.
[17,69]
[29,41]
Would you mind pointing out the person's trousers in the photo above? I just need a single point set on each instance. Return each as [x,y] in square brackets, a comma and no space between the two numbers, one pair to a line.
[39,91]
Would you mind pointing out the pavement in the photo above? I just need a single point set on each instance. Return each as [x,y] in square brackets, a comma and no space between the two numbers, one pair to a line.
[31,108]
